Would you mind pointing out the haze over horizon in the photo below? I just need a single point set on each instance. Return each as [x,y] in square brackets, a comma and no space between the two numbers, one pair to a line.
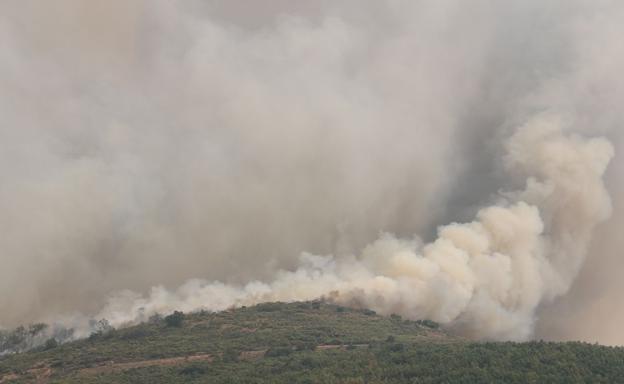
[159,155]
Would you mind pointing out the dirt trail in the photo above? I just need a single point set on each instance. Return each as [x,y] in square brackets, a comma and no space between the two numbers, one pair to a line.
[324,347]
[9,377]
[42,373]
[111,366]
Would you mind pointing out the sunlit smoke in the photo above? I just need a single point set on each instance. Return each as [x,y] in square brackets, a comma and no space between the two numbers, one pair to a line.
[159,156]
[487,277]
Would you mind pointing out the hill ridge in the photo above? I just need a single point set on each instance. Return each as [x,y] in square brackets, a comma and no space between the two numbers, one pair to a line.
[304,342]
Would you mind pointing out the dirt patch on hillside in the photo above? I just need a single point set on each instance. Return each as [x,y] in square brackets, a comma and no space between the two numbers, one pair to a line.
[325,347]
[252,355]
[111,366]
[9,377]
[40,374]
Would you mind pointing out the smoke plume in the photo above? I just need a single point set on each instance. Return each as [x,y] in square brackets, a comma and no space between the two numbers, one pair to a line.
[159,155]
[488,276]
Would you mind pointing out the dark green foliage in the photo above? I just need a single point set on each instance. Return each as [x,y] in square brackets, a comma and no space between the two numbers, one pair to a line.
[269,307]
[396,347]
[194,370]
[304,344]
[278,351]
[135,333]
[230,355]
[155,318]
[175,319]
[429,324]
[369,312]
[50,344]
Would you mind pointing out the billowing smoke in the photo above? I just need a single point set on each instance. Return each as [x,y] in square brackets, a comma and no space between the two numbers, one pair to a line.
[175,144]
[488,276]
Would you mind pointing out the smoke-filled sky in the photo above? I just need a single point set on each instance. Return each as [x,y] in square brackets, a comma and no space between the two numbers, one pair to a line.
[149,143]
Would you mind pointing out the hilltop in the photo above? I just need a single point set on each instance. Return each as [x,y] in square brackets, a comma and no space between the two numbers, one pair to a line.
[308,342]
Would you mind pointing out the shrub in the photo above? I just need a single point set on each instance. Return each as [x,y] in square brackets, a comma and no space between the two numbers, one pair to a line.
[100,328]
[428,324]
[303,305]
[51,343]
[136,333]
[269,307]
[34,329]
[194,370]
[369,312]
[304,346]
[175,319]
[230,355]
[278,351]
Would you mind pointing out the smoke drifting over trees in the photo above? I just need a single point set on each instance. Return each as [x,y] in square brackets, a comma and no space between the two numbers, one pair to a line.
[154,143]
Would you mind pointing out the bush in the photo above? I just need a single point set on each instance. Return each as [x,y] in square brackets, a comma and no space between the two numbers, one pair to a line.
[304,346]
[428,324]
[35,329]
[278,351]
[302,305]
[309,362]
[269,307]
[51,343]
[369,312]
[175,319]
[136,333]
[155,318]
[101,328]
[230,355]
[194,370]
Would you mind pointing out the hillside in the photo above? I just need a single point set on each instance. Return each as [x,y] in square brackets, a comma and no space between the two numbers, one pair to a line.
[304,343]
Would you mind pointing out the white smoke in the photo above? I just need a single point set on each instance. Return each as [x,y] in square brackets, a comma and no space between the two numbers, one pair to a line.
[488,276]
[149,142]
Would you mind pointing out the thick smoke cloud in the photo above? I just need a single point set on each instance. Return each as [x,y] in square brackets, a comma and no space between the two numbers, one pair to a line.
[147,143]
[487,276]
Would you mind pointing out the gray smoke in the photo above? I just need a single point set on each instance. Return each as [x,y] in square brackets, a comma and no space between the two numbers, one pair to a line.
[146,143]
[487,276]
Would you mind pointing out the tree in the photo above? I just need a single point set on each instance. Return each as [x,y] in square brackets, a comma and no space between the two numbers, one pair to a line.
[50,344]
[100,328]
[175,319]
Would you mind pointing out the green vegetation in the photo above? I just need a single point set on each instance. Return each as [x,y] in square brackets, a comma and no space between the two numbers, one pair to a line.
[175,319]
[304,343]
